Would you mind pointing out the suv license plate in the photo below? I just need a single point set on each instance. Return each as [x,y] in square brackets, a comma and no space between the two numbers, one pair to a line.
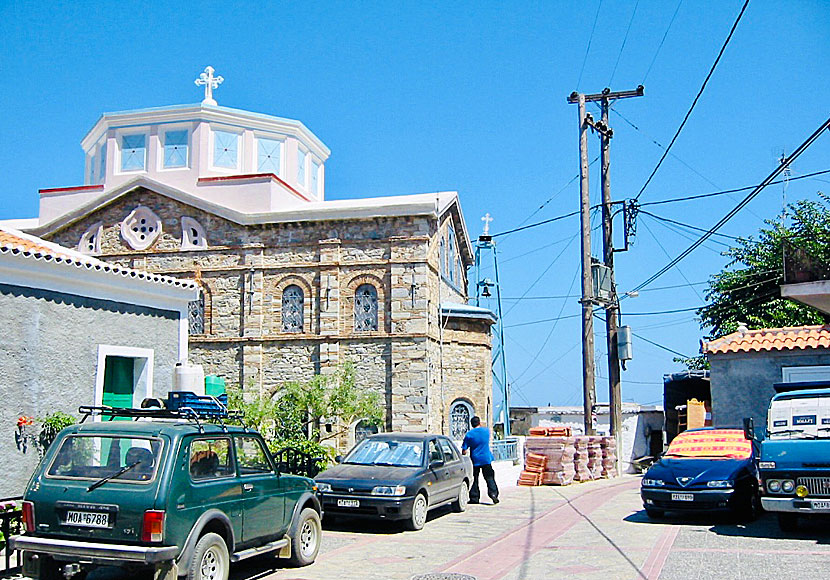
[348,503]
[682,497]
[87,519]
[820,505]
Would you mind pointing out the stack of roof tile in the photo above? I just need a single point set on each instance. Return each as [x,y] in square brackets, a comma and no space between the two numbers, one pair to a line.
[581,470]
[609,456]
[534,469]
[558,452]
[550,432]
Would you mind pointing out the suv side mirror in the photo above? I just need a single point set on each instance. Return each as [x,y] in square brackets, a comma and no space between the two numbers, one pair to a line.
[435,463]
[749,428]
[338,459]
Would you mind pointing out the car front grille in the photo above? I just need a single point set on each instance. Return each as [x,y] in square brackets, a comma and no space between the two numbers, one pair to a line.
[816,486]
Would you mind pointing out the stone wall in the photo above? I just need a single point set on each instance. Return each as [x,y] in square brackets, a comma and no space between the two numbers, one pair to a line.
[245,269]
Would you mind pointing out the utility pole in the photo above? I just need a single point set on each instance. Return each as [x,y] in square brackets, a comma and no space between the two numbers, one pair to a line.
[587,300]
[612,307]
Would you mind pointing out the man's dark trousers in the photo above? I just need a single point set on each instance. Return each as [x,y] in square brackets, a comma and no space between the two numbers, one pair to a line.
[489,477]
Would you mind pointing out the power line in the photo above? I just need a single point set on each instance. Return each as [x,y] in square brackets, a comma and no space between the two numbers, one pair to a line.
[588,49]
[691,227]
[625,38]
[658,345]
[656,313]
[725,191]
[769,179]
[665,34]
[694,103]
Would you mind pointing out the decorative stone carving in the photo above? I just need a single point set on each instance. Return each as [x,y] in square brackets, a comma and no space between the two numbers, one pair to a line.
[141,228]
[90,242]
[193,235]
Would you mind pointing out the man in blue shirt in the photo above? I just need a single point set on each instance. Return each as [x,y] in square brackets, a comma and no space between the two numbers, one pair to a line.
[477,441]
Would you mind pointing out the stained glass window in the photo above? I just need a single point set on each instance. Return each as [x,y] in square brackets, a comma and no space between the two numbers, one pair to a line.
[292,309]
[269,153]
[363,429]
[196,315]
[301,155]
[133,152]
[366,308]
[225,147]
[175,149]
[460,414]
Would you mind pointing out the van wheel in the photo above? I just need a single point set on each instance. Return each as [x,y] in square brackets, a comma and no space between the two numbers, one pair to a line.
[787,522]
[210,560]
[305,535]
[418,517]
[460,504]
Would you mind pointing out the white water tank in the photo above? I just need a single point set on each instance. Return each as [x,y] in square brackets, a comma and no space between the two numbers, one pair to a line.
[189,377]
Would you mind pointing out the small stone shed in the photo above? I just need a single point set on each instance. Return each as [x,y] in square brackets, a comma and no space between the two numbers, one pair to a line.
[746,364]
[78,331]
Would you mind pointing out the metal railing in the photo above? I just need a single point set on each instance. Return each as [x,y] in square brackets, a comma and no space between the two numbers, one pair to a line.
[10,520]
[298,463]
[505,449]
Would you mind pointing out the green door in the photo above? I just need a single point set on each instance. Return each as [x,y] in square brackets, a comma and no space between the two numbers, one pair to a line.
[119,382]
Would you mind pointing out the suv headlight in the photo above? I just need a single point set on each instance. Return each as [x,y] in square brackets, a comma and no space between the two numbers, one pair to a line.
[396,491]
[774,485]
[720,483]
[323,486]
[787,486]
[653,483]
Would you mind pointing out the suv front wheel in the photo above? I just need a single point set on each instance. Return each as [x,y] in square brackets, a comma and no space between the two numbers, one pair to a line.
[305,534]
[210,559]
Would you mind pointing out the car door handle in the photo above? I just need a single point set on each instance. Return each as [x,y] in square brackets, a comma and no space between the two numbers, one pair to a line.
[247,486]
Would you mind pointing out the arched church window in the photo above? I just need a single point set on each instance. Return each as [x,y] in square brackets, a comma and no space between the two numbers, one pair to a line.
[141,228]
[363,429]
[460,414]
[196,314]
[366,308]
[193,234]
[292,309]
[91,240]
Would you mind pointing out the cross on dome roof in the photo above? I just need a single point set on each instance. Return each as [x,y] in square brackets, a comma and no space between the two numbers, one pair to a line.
[487,219]
[211,82]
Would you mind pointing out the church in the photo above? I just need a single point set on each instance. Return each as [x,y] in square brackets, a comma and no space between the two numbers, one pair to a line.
[290,284]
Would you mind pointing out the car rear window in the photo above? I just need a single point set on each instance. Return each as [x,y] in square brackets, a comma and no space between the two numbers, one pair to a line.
[98,456]
[726,443]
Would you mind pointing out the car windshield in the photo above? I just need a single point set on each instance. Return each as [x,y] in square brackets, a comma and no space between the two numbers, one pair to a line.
[97,457]
[717,443]
[387,452]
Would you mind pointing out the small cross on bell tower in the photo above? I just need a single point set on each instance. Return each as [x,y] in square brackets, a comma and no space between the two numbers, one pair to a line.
[211,82]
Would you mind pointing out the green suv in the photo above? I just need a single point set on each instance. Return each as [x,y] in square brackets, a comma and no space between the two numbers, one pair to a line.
[167,492]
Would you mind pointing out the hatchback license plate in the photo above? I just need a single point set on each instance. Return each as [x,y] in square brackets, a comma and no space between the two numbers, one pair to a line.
[88,519]
[682,497]
[348,503]
[820,505]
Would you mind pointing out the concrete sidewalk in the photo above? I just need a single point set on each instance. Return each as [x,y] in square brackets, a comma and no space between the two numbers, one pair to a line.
[587,530]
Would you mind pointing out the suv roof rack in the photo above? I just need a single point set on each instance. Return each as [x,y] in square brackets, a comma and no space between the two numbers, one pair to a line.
[186,413]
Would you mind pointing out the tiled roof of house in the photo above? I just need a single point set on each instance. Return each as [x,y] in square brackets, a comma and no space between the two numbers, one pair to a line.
[768,339]
[15,243]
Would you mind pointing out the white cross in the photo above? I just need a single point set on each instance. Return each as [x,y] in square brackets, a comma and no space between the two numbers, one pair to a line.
[487,219]
[211,82]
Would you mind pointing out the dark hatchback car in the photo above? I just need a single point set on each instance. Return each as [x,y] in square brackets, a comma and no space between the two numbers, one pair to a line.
[397,476]
[704,470]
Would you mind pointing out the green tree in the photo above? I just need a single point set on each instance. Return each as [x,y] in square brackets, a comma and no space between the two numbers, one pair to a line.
[298,413]
[747,289]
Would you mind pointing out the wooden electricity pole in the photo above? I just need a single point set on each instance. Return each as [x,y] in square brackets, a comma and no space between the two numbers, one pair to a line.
[612,307]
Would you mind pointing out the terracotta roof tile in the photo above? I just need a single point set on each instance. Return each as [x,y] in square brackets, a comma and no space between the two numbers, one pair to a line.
[13,242]
[769,339]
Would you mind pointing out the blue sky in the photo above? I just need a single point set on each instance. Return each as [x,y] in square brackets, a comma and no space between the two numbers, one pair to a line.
[467,96]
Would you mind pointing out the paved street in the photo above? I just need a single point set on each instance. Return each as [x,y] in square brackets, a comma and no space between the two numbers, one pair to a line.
[591,530]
